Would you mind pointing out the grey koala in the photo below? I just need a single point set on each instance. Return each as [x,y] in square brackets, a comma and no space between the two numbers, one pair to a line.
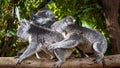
[39,39]
[87,40]
[24,36]
[44,17]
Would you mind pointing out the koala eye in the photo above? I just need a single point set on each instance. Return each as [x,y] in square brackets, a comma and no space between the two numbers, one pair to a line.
[34,17]
[65,23]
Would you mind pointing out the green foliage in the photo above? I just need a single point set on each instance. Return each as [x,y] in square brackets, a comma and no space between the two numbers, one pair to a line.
[86,13]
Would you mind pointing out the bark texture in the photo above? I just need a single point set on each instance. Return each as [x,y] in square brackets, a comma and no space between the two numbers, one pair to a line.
[112,61]
[110,10]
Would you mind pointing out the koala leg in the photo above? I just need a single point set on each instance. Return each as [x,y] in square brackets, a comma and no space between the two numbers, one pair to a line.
[82,54]
[64,44]
[70,42]
[49,53]
[99,51]
[38,49]
[31,49]
[62,55]
[19,53]
[99,57]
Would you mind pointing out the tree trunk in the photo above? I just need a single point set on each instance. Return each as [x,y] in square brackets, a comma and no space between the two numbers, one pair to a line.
[110,10]
[5,47]
[8,38]
[112,61]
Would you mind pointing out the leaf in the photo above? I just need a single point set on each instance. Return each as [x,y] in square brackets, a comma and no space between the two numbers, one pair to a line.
[17,13]
[5,3]
[98,6]
[50,2]
[88,9]
[12,31]
[2,34]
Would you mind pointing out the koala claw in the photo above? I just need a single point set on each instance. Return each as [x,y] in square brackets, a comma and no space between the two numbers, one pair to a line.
[58,64]
[18,62]
[97,60]
[15,57]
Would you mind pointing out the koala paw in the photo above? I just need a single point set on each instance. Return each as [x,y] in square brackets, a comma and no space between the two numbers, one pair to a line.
[15,57]
[97,60]
[58,64]
[18,62]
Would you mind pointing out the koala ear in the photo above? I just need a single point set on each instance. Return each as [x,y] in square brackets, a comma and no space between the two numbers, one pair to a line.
[69,20]
[24,22]
[32,16]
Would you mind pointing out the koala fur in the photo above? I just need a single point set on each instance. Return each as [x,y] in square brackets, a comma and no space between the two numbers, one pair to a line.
[87,40]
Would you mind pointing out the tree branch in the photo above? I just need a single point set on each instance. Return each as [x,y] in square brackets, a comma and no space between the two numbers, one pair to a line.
[108,62]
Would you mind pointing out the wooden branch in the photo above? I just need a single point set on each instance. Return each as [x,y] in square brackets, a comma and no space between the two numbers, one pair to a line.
[108,62]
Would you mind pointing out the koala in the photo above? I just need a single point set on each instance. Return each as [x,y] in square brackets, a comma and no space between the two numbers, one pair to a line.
[44,17]
[87,40]
[39,39]
[24,37]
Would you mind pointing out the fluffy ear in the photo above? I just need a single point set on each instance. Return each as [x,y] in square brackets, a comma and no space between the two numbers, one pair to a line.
[69,20]
[24,22]
[32,16]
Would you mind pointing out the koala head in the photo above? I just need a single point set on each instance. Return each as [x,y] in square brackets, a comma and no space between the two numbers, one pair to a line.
[22,29]
[43,18]
[60,26]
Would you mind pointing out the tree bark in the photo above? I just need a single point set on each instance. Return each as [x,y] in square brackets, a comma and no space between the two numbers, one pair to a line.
[110,9]
[7,41]
[8,38]
[112,61]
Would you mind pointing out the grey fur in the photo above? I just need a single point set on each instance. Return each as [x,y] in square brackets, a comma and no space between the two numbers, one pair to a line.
[87,40]
[44,18]
[39,39]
